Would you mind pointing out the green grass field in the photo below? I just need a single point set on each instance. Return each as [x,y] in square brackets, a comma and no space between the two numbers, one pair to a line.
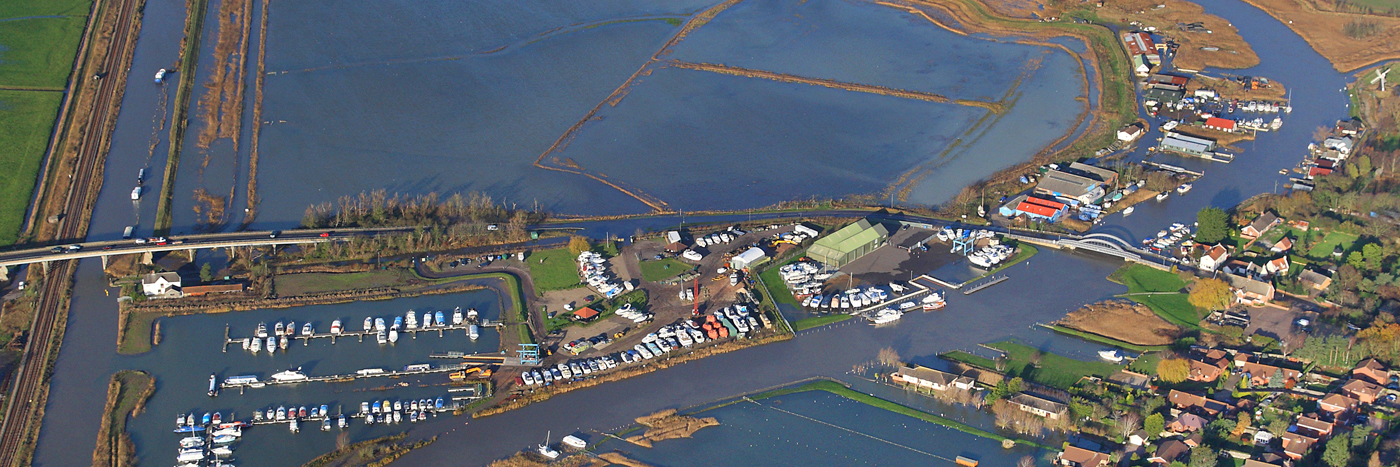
[817,321]
[1054,370]
[553,270]
[605,308]
[1141,278]
[1146,364]
[1175,308]
[1323,249]
[38,52]
[316,282]
[25,8]
[26,121]
[662,269]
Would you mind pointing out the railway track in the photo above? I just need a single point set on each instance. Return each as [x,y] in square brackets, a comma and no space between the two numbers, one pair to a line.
[29,378]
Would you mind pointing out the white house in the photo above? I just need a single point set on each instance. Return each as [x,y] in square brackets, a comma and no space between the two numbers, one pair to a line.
[1214,257]
[165,284]
[931,379]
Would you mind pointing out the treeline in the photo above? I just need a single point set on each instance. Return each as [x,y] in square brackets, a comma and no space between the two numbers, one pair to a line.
[380,209]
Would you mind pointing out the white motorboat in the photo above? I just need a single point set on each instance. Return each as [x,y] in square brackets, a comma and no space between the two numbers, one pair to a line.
[471,313]
[191,442]
[282,343]
[278,328]
[306,330]
[411,320]
[262,330]
[379,325]
[369,324]
[1185,187]
[1128,211]
[255,345]
[1163,195]
[547,451]
[393,335]
[289,375]
[887,315]
[381,337]
[457,316]
[573,442]
[271,344]
[473,331]
[933,301]
[1110,355]
[335,327]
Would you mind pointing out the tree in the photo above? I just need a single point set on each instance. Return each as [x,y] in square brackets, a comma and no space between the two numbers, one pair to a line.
[1153,425]
[1211,225]
[1173,370]
[1338,453]
[1241,425]
[1125,423]
[1356,260]
[1014,386]
[1359,436]
[206,273]
[1026,461]
[1276,379]
[1211,294]
[1202,456]
[578,245]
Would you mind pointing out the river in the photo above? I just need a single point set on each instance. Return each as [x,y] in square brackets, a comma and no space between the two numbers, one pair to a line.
[1035,293]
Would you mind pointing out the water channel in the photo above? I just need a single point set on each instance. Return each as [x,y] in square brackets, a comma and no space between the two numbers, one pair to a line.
[1035,293]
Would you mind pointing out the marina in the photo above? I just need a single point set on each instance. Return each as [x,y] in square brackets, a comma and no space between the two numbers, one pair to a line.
[280,340]
[296,376]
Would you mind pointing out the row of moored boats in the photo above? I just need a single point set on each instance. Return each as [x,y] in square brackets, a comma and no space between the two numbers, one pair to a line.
[384,331]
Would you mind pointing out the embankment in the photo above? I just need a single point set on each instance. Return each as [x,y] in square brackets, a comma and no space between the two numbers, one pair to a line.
[126,396]
[189,59]
[667,424]
[855,87]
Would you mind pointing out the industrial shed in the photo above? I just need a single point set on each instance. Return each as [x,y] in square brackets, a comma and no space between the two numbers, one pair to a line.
[849,243]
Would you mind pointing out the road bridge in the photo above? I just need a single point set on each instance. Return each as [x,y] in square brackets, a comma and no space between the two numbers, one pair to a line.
[104,249]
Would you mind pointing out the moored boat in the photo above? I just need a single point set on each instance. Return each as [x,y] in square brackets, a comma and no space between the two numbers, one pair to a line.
[335,327]
[369,323]
[278,329]
[457,316]
[438,317]
[306,329]
[473,331]
[393,335]
[289,375]
[381,337]
[1110,355]
[262,330]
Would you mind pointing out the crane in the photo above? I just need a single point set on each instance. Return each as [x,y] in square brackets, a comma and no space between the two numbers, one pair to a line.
[1380,76]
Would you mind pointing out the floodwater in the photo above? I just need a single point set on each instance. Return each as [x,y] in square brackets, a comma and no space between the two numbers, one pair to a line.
[1034,294]
[820,428]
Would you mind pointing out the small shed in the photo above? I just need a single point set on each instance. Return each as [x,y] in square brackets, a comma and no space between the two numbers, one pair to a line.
[585,314]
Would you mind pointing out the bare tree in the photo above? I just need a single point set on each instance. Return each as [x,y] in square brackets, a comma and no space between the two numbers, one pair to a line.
[889,357]
[1126,422]
[1026,461]
[1001,363]
[1035,359]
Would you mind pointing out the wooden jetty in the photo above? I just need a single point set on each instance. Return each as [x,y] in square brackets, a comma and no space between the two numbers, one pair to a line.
[362,374]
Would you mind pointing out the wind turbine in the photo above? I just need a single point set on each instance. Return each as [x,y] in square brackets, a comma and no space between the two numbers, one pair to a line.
[1380,76]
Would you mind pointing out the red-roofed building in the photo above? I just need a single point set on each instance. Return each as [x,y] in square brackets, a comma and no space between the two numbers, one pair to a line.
[1336,404]
[585,314]
[1040,209]
[1318,172]
[1222,124]
[1363,391]
[1371,370]
[1140,43]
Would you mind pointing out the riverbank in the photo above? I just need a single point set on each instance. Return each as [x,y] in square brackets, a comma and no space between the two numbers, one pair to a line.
[126,397]
[376,452]
[545,393]
[667,424]
[1349,41]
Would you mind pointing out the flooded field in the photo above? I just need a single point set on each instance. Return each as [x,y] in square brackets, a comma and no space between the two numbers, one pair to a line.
[858,42]
[820,428]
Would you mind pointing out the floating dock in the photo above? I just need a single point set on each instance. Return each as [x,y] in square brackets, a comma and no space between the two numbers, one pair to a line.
[361,335]
[991,281]
[362,374]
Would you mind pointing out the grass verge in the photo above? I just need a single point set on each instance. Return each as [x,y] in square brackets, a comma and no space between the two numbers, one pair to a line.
[817,321]
[1173,307]
[126,395]
[606,309]
[553,270]
[1052,370]
[26,121]
[843,391]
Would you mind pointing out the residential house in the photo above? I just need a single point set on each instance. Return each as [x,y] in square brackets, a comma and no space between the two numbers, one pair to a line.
[1282,246]
[1315,280]
[1197,404]
[1039,406]
[1187,423]
[1169,451]
[1336,404]
[1214,257]
[1220,124]
[1260,374]
[1313,427]
[1371,370]
[1350,127]
[1255,463]
[161,285]
[928,378]
[1249,291]
[1342,144]
[1205,372]
[1132,380]
[1130,133]
[1296,446]
[1075,456]
[1260,225]
[1364,392]
[1277,266]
